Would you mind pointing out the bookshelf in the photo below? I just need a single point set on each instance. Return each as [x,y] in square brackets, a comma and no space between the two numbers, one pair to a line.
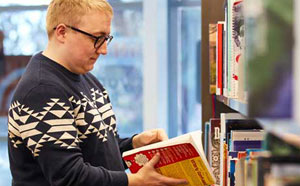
[280,119]
[213,11]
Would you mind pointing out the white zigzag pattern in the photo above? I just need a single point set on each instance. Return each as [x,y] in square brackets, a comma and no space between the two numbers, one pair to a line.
[21,129]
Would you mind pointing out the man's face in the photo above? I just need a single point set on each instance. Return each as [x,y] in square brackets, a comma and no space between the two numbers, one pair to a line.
[81,52]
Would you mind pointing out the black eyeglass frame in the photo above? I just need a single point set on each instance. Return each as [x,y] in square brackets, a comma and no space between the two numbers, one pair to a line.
[107,38]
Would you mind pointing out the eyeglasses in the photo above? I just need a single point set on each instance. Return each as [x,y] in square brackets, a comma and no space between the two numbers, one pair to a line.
[99,40]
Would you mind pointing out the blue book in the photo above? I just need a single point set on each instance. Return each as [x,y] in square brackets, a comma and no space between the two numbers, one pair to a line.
[207,125]
[243,145]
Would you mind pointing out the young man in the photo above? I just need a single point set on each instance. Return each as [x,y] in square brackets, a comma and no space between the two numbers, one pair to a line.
[62,130]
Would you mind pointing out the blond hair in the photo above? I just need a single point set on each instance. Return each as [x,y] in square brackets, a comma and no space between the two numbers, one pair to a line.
[70,11]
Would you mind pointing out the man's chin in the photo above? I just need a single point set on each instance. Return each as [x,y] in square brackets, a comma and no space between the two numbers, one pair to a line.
[89,68]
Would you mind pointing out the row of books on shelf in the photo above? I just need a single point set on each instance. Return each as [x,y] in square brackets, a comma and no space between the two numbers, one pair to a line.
[226,53]
[241,153]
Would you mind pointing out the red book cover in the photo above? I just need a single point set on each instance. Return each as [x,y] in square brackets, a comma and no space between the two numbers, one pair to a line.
[169,155]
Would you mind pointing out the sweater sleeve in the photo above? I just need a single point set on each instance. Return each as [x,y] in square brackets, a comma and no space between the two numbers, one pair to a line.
[125,144]
[46,124]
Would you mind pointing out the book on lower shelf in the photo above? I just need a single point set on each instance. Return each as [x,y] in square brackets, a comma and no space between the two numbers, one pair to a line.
[180,157]
[240,140]
[214,147]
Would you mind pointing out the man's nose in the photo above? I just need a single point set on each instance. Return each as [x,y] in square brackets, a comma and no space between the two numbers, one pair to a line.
[102,49]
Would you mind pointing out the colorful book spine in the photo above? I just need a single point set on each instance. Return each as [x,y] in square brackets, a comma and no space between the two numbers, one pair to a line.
[244,145]
[214,148]
[220,57]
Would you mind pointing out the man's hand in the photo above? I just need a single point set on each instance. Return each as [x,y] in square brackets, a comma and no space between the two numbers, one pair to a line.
[149,137]
[147,175]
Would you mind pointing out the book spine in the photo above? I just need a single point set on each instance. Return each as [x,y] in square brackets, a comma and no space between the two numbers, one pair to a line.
[220,59]
[214,143]
[243,145]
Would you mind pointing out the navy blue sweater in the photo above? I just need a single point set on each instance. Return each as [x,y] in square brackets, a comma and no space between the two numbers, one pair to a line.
[62,130]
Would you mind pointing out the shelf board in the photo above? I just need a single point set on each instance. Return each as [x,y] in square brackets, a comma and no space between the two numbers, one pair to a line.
[286,129]
[234,104]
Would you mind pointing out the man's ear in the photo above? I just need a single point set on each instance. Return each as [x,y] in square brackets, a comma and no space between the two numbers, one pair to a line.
[60,32]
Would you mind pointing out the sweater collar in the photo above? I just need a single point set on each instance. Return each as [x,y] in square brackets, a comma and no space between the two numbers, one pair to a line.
[58,66]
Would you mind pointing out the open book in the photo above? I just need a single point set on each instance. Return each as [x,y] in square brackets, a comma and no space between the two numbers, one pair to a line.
[181,157]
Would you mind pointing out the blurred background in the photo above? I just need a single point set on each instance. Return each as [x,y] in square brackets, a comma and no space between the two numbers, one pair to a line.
[152,70]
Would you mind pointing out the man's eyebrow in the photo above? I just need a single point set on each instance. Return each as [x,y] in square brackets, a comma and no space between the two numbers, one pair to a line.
[101,33]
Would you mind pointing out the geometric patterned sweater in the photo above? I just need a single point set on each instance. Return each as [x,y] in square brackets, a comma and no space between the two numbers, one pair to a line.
[62,130]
